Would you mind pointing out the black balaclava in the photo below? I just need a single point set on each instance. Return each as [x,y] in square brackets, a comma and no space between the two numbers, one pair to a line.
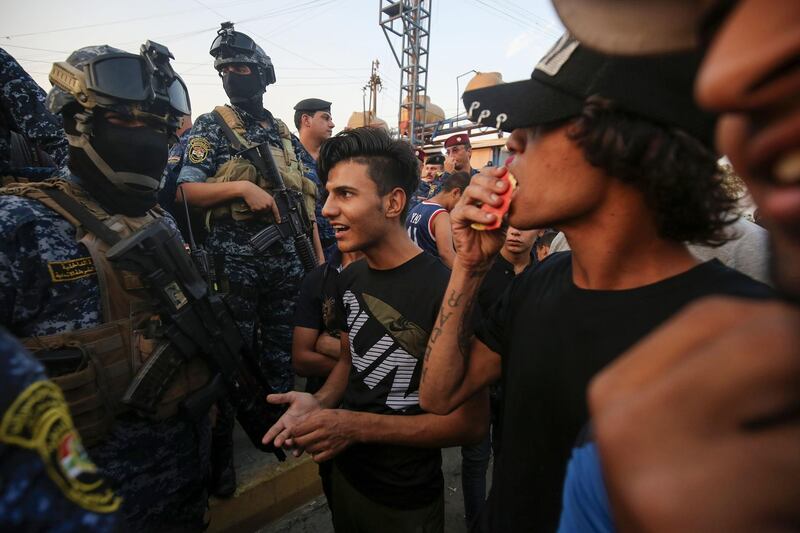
[140,150]
[246,91]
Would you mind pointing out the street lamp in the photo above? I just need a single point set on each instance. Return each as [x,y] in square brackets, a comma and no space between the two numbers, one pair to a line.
[458,90]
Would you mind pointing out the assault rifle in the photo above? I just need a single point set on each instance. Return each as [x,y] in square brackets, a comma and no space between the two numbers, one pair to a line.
[197,323]
[290,204]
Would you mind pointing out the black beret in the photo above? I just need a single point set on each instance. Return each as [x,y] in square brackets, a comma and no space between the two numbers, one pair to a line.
[312,104]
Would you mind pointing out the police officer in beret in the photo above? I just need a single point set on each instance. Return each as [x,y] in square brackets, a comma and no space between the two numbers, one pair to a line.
[430,182]
[261,288]
[90,323]
[459,151]
[312,118]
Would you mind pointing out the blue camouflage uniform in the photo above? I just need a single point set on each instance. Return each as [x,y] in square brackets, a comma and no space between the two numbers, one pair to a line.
[326,234]
[425,191]
[47,481]
[22,102]
[169,185]
[263,288]
[158,468]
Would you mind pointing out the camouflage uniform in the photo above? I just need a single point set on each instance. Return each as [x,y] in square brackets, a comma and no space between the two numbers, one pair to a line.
[22,102]
[159,468]
[263,288]
[425,191]
[51,484]
[326,234]
[166,195]
[428,190]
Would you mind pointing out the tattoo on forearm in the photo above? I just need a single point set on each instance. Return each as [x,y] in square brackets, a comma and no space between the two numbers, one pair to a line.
[437,331]
[465,334]
[454,300]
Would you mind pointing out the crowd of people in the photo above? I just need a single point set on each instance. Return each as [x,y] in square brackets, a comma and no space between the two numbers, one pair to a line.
[623,349]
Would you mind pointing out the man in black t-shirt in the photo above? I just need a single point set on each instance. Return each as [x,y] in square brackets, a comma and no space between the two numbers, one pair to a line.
[316,343]
[387,469]
[514,258]
[620,160]
[716,386]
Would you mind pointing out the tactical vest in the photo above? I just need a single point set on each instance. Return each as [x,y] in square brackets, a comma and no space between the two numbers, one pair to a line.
[239,169]
[115,350]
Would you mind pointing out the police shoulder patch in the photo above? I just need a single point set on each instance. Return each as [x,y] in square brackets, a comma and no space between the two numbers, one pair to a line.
[38,420]
[198,149]
[71,270]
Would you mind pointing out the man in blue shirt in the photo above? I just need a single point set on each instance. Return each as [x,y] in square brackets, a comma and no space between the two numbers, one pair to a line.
[312,118]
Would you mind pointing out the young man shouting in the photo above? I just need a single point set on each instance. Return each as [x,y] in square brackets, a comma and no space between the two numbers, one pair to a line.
[387,469]
[604,149]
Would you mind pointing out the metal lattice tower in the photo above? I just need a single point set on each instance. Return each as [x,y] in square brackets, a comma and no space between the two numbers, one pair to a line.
[407,27]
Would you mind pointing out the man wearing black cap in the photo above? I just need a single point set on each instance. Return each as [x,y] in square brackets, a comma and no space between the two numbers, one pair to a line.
[430,180]
[312,118]
[697,426]
[609,152]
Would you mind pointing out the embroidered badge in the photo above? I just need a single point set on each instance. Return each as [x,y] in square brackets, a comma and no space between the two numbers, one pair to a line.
[71,270]
[173,160]
[198,149]
[39,421]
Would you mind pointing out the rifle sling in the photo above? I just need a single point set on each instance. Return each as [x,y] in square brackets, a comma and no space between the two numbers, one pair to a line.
[236,143]
[82,215]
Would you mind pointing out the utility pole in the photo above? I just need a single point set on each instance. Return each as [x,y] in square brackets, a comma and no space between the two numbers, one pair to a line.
[407,27]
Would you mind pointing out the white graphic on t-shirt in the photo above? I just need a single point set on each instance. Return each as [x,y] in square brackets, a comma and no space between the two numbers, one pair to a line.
[398,360]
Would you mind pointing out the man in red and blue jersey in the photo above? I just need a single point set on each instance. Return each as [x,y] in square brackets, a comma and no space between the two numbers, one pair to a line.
[428,223]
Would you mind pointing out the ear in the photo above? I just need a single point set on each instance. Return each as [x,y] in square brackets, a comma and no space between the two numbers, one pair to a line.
[305,120]
[394,202]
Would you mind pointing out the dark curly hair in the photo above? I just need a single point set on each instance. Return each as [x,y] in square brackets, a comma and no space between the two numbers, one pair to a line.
[390,163]
[677,174]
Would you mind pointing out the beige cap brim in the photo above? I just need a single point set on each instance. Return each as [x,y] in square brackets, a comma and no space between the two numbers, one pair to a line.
[634,27]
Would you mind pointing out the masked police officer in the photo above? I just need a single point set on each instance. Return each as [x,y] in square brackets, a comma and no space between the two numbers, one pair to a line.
[261,287]
[88,321]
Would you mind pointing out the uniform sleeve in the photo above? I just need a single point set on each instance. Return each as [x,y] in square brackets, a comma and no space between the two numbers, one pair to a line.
[19,259]
[299,152]
[52,485]
[206,150]
[25,102]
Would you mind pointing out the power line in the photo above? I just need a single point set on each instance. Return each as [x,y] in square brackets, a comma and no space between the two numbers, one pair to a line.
[86,26]
[9,45]
[539,20]
[513,18]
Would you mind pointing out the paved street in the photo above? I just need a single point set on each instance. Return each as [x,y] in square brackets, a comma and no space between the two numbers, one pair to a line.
[314,517]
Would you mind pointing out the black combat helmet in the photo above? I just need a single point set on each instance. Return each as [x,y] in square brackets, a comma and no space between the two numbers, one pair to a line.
[143,87]
[231,46]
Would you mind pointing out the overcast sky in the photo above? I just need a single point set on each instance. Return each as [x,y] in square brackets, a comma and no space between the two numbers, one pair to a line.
[320,48]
